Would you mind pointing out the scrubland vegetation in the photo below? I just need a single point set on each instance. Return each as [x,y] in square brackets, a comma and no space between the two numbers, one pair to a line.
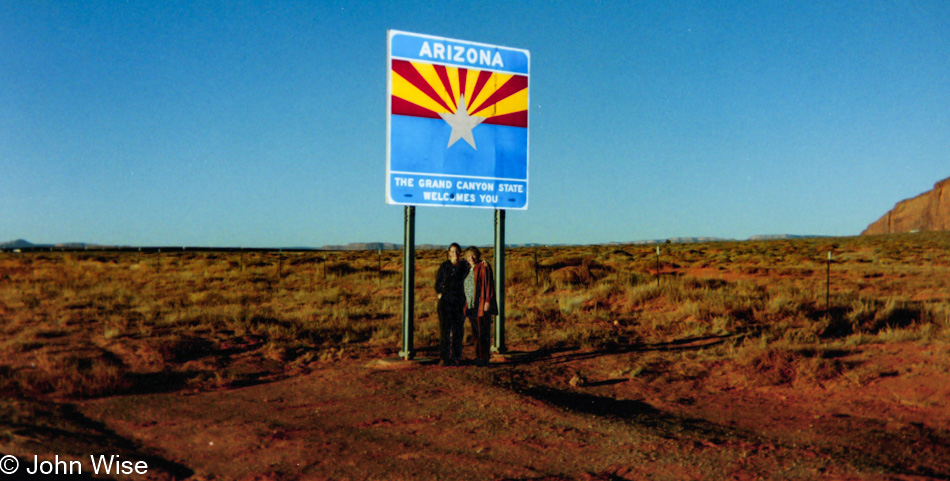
[733,360]
[96,323]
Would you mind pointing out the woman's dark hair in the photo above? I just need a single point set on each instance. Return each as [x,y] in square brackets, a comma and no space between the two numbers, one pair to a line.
[475,252]
[456,246]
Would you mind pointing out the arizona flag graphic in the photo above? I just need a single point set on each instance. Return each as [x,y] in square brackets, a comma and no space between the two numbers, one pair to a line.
[457,123]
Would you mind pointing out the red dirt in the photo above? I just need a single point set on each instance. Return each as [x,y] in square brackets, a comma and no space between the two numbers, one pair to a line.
[214,399]
[362,418]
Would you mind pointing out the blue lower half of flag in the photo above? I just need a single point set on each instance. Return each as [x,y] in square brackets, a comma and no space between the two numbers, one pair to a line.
[420,145]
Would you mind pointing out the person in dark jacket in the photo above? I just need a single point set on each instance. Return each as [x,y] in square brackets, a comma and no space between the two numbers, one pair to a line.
[449,287]
[480,303]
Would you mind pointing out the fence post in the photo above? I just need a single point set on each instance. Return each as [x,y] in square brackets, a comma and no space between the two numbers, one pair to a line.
[537,279]
[828,285]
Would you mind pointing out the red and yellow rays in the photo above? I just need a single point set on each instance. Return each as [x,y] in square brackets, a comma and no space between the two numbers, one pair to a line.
[426,90]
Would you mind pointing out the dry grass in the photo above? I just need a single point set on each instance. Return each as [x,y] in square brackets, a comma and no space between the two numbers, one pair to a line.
[173,319]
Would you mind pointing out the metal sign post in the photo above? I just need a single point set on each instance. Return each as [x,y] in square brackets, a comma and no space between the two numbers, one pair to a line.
[499,345]
[408,282]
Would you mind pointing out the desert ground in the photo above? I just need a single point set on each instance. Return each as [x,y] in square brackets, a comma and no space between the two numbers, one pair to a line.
[717,360]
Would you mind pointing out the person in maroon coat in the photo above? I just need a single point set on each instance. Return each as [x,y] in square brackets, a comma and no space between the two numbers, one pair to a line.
[480,303]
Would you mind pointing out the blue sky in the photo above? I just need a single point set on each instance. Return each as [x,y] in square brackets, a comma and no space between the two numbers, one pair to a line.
[263,123]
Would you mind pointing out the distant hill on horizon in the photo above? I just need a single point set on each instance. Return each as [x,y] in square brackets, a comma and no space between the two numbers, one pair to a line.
[16,244]
[388,246]
[24,244]
[929,211]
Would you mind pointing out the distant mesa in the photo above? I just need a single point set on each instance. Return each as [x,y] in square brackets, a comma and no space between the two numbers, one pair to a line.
[929,211]
[16,244]
[363,246]
[675,240]
[22,244]
[780,237]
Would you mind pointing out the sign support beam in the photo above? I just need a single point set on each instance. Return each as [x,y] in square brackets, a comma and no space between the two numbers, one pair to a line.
[499,345]
[408,282]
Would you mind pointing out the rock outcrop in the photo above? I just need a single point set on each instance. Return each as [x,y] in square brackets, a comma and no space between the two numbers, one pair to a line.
[929,211]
